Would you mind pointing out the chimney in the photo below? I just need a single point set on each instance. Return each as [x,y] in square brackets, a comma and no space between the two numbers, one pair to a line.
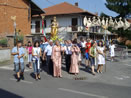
[76,4]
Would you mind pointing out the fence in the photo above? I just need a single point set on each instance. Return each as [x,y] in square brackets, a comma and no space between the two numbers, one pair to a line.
[121,52]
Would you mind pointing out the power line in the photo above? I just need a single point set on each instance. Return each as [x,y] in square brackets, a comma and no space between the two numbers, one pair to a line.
[50,2]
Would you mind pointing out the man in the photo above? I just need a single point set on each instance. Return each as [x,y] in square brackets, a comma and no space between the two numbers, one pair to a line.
[68,53]
[43,47]
[112,51]
[83,46]
[18,53]
[88,46]
[47,54]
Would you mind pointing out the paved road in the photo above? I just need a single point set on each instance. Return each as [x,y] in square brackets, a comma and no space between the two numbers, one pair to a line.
[115,83]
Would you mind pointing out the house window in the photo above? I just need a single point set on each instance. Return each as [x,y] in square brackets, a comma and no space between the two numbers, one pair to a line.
[74,24]
[37,26]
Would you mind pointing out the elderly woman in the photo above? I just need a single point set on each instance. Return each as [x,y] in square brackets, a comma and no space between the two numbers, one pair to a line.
[56,57]
[74,59]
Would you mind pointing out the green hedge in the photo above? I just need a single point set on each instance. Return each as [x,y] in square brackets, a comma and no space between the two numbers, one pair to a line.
[3,41]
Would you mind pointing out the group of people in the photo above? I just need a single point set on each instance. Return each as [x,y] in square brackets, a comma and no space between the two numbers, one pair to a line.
[52,54]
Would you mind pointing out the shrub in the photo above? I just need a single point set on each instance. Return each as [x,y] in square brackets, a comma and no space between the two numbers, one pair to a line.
[3,41]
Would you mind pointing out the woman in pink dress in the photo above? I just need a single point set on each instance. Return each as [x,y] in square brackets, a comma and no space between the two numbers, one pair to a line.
[56,57]
[29,50]
[74,59]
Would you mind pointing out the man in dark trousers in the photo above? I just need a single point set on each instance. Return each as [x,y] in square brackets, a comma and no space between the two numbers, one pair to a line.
[47,54]
[68,55]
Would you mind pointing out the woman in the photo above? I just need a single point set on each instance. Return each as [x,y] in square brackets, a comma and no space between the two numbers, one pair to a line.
[29,51]
[101,57]
[74,59]
[92,56]
[36,53]
[56,57]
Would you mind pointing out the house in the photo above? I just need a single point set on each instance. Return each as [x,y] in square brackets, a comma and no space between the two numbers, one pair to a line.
[23,10]
[70,19]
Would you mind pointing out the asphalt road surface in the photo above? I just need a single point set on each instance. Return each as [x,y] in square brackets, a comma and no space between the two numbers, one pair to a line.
[114,83]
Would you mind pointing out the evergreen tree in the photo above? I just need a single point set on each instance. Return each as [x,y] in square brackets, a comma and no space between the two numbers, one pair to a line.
[121,7]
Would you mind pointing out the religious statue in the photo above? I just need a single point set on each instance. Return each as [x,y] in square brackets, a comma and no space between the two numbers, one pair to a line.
[54,28]
[111,23]
[98,22]
[94,21]
[126,24]
[120,23]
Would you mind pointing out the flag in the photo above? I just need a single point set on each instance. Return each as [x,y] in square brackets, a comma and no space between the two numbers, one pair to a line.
[43,30]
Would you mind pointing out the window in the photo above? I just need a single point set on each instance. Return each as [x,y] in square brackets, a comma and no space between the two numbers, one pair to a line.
[37,26]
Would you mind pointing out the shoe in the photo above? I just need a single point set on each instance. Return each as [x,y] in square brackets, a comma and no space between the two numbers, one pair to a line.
[36,79]
[93,73]
[39,78]
[18,79]
[101,72]
[22,77]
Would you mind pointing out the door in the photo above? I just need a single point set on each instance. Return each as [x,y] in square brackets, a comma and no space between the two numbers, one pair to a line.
[37,26]
[74,24]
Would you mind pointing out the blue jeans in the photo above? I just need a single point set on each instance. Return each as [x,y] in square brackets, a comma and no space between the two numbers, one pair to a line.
[35,67]
[92,60]
[19,66]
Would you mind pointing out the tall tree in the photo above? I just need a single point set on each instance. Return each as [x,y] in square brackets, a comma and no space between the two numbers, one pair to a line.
[121,7]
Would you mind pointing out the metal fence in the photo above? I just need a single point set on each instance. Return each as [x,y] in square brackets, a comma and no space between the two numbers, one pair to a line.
[121,52]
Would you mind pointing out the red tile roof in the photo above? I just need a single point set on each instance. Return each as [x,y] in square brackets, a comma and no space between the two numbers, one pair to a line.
[129,20]
[64,8]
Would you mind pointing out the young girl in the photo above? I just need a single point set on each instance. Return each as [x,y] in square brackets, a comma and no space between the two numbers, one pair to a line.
[29,51]
[101,57]
[36,53]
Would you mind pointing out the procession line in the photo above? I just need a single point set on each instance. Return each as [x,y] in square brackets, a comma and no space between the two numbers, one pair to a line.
[22,81]
[82,93]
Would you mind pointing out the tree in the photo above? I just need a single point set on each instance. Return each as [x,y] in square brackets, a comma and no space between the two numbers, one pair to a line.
[121,7]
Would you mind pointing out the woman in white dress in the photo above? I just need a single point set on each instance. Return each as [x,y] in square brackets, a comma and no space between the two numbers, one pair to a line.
[36,53]
[101,57]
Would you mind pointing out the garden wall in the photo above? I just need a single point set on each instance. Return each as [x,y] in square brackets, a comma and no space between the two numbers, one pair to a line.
[5,55]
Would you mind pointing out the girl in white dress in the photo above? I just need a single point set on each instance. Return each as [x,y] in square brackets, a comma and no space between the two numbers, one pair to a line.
[36,53]
[101,57]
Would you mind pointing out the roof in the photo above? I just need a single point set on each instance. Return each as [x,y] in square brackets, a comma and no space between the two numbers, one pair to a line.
[129,20]
[35,9]
[64,8]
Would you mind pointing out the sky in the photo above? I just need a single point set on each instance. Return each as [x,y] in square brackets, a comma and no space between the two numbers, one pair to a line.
[92,6]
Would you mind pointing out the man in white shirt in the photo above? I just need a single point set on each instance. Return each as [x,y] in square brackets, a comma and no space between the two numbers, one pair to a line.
[47,54]
[68,54]
[83,47]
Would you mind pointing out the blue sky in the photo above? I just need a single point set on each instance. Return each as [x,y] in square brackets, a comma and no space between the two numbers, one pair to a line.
[89,5]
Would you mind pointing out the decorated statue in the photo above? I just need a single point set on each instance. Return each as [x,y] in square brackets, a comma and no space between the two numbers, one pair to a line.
[98,22]
[94,21]
[126,24]
[120,23]
[111,23]
[54,28]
